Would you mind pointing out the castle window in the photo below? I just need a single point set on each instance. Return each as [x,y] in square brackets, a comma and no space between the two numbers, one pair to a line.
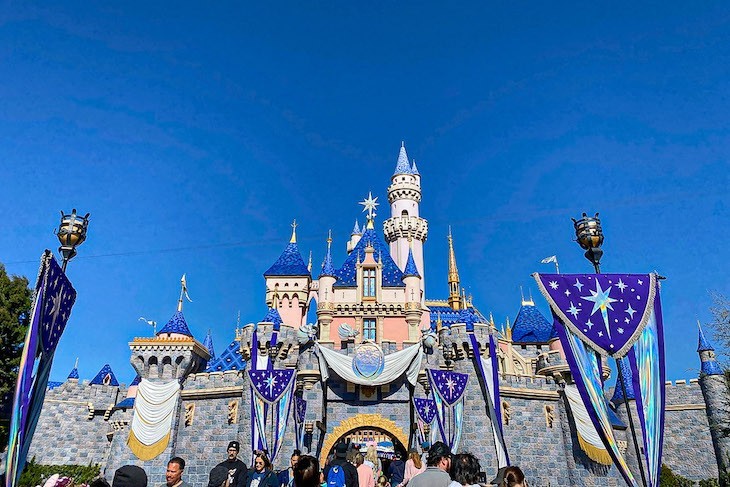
[368,329]
[368,283]
[404,213]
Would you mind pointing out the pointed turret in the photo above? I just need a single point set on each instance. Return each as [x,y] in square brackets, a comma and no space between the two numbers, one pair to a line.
[105,377]
[402,166]
[707,355]
[618,393]
[328,269]
[290,262]
[74,375]
[273,316]
[177,325]
[356,229]
[208,343]
[453,276]
[414,169]
[411,269]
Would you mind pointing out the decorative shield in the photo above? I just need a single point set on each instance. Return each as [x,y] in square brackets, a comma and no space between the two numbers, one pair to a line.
[368,361]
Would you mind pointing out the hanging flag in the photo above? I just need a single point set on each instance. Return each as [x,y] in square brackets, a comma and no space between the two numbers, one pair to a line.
[547,260]
[425,408]
[300,414]
[184,284]
[489,374]
[617,315]
[448,394]
[54,298]
[273,388]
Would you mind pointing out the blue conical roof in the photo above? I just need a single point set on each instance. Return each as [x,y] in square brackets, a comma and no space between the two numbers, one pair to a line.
[531,326]
[103,373]
[618,393]
[347,274]
[403,166]
[414,169]
[703,345]
[411,269]
[74,374]
[289,263]
[356,229]
[177,324]
[208,343]
[273,316]
[137,379]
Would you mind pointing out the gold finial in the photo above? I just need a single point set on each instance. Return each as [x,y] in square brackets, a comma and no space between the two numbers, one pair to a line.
[453,276]
[294,226]
[309,265]
[526,302]
[329,238]
[509,330]
[275,297]
[439,323]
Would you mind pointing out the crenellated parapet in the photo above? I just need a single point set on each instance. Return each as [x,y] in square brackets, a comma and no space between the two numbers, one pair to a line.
[164,357]
[405,227]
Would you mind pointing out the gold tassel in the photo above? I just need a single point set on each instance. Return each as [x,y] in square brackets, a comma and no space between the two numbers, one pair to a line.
[596,454]
[147,452]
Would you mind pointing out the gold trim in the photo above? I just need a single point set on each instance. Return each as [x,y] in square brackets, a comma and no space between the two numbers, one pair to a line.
[218,392]
[147,452]
[596,454]
[359,421]
[684,407]
[529,393]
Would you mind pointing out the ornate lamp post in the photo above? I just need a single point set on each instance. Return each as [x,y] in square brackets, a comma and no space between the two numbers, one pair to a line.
[589,236]
[71,233]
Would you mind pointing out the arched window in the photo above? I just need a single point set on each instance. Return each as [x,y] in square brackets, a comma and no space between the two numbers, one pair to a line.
[368,283]
[404,213]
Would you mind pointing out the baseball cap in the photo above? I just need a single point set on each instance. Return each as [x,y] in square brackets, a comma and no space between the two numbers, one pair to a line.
[234,444]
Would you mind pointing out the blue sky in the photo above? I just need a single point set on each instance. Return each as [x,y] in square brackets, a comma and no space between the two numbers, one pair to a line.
[195,133]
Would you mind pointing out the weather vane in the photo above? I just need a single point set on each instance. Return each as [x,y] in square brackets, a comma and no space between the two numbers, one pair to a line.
[370,204]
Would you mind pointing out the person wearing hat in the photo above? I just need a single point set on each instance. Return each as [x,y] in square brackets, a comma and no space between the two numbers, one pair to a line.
[340,460]
[233,464]
[437,472]
[129,476]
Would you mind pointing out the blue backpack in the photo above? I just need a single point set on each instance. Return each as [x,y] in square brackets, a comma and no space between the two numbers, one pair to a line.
[336,476]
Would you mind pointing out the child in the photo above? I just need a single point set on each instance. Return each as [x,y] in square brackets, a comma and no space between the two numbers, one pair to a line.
[383,481]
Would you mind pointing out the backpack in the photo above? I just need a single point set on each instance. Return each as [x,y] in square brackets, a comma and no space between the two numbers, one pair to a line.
[336,476]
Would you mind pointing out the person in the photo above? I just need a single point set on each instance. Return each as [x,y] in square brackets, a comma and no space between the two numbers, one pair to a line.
[129,476]
[339,472]
[219,477]
[437,471]
[235,466]
[261,475]
[371,458]
[414,466]
[465,470]
[286,477]
[383,482]
[425,445]
[306,471]
[102,482]
[510,477]
[174,473]
[396,470]
[364,472]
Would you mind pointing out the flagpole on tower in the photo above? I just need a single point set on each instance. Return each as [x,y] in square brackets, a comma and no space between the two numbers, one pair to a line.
[589,236]
[554,259]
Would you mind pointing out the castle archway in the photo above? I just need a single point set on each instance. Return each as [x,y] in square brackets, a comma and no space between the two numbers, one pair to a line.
[363,428]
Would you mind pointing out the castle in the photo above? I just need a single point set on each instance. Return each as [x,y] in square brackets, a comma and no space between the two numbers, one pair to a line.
[375,296]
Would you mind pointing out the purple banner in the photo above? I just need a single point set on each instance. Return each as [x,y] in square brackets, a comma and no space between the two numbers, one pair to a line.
[450,385]
[425,408]
[607,311]
[300,409]
[270,384]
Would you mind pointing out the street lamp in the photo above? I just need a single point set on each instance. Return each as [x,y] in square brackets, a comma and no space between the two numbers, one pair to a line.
[71,233]
[589,236]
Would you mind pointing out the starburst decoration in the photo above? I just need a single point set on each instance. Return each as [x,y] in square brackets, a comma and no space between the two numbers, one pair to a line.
[271,383]
[370,204]
[573,310]
[630,311]
[621,285]
[579,285]
[451,385]
[553,284]
[601,302]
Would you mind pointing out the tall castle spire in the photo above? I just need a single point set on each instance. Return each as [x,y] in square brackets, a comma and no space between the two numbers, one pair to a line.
[454,282]
[707,355]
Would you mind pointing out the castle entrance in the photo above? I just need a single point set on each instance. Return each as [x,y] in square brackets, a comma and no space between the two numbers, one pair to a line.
[368,429]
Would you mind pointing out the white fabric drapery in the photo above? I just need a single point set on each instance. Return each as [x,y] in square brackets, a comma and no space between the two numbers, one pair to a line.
[406,361]
[153,411]
[588,437]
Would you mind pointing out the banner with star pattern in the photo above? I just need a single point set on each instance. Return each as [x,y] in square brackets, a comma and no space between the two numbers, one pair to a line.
[425,408]
[617,315]
[448,388]
[300,413]
[53,300]
[273,391]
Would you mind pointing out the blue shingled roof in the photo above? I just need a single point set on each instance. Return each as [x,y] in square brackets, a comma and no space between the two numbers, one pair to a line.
[530,326]
[177,324]
[356,229]
[703,344]
[613,417]
[136,381]
[289,263]
[327,268]
[711,367]
[230,359]
[74,374]
[618,394]
[273,316]
[403,166]
[106,370]
[347,274]
[414,169]
[53,384]
[411,269]
[126,403]
[450,317]
[208,343]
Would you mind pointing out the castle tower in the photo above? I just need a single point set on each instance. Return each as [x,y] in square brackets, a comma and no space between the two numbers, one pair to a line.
[326,305]
[715,391]
[404,224]
[289,279]
[355,237]
[453,276]
[412,280]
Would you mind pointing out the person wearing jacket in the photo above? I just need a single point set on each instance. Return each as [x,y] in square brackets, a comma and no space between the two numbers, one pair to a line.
[351,477]
[260,475]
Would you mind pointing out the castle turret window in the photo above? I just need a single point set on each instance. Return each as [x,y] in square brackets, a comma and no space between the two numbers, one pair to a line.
[368,329]
[368,283]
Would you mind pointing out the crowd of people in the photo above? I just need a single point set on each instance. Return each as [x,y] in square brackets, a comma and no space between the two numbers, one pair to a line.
[347,466]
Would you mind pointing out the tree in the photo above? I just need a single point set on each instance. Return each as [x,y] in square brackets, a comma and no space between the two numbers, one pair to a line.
[720,324]
[15,301]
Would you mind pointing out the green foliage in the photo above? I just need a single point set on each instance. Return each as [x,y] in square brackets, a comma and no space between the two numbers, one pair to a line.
[667,478]
[15,300]
[35,474]
[709,483]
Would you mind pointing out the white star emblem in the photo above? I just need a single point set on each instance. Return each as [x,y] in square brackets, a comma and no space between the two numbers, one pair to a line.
[601,302]
[451,385]
[627,321]
[589,324]
[567,292]
[621,285]
[640,282]
[621,331]
[579,285]
[370,204]
[271,383]
[600,333]
[56,309]
[573,310]
[553,284]
[630,311]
